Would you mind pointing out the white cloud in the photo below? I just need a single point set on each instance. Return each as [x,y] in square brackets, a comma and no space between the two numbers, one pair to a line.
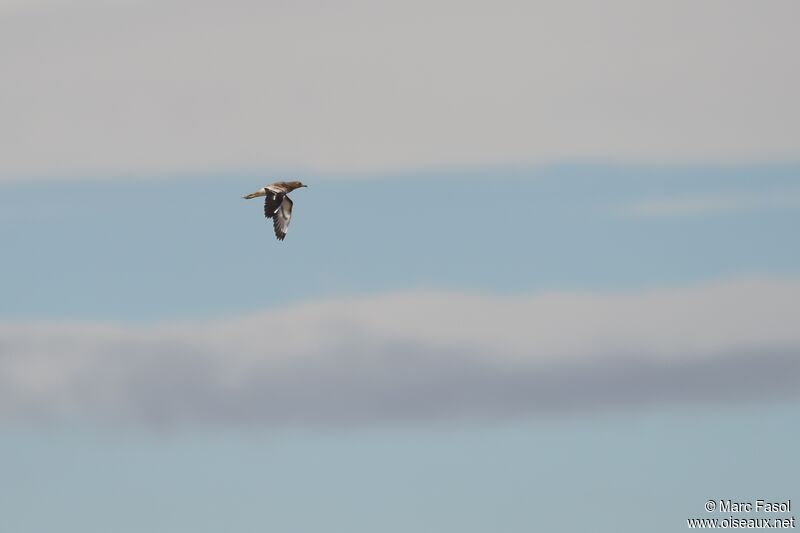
[177,86]
[713,204]
[412,355]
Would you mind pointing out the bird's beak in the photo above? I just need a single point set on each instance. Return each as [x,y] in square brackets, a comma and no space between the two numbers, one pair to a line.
[305,185]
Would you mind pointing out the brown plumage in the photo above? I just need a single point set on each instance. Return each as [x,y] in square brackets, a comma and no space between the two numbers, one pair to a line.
[277,204]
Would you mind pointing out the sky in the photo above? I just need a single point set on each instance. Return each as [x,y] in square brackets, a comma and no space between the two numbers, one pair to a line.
[544,276]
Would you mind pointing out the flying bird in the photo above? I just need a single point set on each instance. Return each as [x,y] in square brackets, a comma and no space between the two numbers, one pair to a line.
[277,204]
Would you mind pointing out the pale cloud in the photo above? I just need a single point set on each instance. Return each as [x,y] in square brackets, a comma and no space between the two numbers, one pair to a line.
[714,204]
[143,87]
[412,355]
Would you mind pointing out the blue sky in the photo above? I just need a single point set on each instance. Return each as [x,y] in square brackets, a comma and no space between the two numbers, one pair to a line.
[622,472]
[190,249]
[544,276]
[146,250]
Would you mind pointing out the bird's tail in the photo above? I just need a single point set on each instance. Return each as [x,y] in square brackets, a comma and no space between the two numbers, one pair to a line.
[256,194]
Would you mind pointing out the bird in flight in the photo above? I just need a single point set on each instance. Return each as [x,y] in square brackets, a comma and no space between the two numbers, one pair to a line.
[277,204]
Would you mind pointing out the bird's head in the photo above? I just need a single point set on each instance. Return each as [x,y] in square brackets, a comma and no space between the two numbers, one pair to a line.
[292,185]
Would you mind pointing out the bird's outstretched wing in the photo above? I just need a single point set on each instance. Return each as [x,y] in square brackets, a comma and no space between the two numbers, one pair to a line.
[281,218]
[272,201]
